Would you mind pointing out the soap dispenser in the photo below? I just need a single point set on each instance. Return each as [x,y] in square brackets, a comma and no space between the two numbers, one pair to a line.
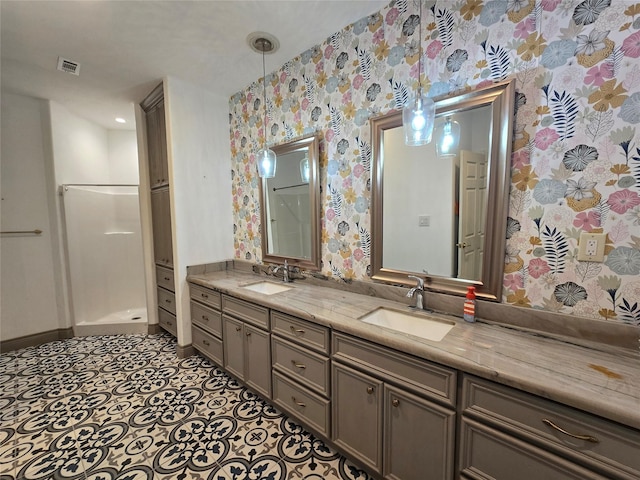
[469,309]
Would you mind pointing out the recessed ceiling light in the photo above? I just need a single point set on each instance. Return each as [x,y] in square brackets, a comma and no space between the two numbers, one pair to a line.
[120,120]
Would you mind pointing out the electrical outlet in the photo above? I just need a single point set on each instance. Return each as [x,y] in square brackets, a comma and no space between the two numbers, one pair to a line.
[591,247]
[424,220]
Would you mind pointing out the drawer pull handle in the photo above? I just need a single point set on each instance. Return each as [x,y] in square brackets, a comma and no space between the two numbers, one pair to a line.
[248,334]
[166,300]
[298,365]
[238,329]
[587,438]
[296,330]
[300,404]
[204,295]
[206,342]
[167,278]
[370,390]
[395,402]
[205,318]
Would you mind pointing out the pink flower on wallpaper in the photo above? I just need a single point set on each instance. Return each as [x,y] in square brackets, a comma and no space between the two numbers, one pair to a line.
[433,49]
[597,75]
[358,254]
[358,170]
[347,263]
[392,15]
[249,97]
[283,77]
[545,137]
[346,98]
[485,83]
[631,45]
[304,104]
[329,135]
[357,81]
[239,190]
[378,36]
[520,158]
[319,67]
[550,5]
[623,200]
[538,267]
[513,282]
[254,218]
[524,28]
[328,52]
[331,214]
[587,220]
[297,116]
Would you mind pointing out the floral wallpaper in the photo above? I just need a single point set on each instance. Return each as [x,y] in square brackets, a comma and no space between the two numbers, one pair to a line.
[576,151]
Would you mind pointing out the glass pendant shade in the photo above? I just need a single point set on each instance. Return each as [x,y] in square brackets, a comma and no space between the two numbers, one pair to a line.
[418,117]
[448,137]
[266,160]
[304,170]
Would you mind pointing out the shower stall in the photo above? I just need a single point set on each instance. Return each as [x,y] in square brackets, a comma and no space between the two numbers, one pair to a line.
[104,250]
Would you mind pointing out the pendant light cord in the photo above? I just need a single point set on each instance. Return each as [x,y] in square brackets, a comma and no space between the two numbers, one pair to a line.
[420,48]
[264,92]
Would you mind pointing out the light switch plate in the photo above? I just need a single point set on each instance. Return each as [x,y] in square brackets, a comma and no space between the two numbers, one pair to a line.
[424,220]
[591,247]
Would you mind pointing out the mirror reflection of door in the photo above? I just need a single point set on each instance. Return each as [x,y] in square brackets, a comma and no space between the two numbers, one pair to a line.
[473,191]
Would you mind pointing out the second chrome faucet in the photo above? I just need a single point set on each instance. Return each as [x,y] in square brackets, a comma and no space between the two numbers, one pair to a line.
[285,272]
[417,291]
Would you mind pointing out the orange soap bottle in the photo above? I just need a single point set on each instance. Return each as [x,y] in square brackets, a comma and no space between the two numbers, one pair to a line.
[469,309]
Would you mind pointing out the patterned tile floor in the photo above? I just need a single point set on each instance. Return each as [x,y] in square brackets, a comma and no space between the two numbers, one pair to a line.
[125,407]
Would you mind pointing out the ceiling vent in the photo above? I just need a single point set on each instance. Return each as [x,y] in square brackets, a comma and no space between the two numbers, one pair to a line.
[68,66]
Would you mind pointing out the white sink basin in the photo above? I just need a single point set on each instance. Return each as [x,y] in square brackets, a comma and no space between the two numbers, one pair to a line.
[267,288]
[416,324]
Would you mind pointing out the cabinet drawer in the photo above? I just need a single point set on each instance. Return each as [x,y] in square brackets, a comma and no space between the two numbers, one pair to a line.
[164,278]
[206,318]
[166,300]
[301,403]
[411,373]
[207,344]
[167,321]
[255,314]
[527,416]
[301,331]
[304,366]
[488,453]
[205,295]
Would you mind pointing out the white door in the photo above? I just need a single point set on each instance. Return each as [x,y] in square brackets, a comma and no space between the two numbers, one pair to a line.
[473,192]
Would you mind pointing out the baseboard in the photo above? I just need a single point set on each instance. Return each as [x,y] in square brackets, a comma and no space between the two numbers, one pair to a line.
[186,351]
[35,339]
[154,329]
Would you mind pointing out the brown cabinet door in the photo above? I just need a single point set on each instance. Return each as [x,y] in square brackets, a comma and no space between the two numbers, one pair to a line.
[419,437]
[157,146]
[257,359]
[161,219]
[357,415]
[233,340]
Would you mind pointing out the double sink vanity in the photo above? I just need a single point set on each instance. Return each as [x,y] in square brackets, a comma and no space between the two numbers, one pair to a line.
[418,395]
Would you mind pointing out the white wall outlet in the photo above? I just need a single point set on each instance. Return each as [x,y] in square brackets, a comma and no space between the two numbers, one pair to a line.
[424,220]
[591,247]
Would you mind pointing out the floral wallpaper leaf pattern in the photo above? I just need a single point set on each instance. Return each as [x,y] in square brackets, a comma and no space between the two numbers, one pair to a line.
[576,151]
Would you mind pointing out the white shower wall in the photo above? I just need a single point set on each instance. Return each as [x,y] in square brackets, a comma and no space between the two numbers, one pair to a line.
[104,247]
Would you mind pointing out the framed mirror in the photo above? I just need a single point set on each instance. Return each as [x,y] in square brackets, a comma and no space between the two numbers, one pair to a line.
[439,211]
[289,205]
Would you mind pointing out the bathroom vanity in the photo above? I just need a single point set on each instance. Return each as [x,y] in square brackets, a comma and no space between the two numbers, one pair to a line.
[486,401]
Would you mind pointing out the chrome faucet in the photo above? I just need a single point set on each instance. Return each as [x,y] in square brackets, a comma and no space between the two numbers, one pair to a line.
[285,272]
[418,291]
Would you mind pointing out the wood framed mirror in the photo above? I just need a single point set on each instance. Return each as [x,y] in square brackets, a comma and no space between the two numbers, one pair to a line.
[443,216]
[289,205]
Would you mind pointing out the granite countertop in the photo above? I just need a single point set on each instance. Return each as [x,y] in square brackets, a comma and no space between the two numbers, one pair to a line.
[596,378]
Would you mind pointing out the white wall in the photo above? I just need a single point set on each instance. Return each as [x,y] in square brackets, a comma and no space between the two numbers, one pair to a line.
[123,157]
[28,295]
[200,178]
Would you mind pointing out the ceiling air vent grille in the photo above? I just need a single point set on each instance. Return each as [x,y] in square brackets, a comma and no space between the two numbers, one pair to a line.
[68,66]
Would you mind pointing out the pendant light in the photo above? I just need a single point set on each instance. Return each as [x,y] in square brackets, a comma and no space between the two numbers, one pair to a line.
[448,137]
[418,115]
[304,169]
[265,158]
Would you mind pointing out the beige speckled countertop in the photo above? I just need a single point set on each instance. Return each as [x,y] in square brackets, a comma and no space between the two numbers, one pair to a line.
[596,378]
